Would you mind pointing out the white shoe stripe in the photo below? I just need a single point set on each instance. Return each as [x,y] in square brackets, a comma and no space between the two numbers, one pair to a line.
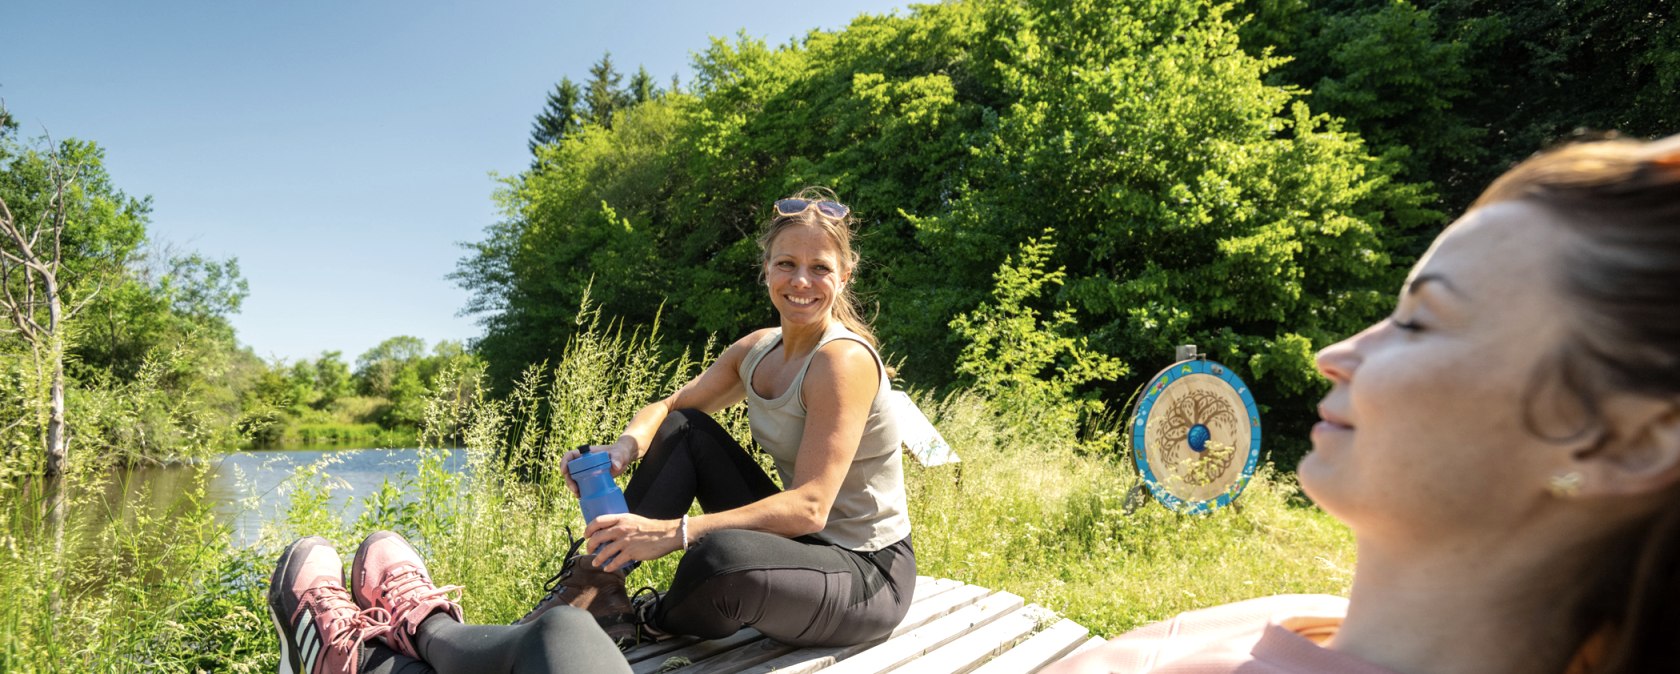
[305,621]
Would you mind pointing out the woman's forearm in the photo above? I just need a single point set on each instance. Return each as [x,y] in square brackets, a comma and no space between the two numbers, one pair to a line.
[789,514]
[642,427]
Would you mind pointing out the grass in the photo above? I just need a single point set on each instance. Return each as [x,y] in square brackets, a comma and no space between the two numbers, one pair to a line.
[1041,512]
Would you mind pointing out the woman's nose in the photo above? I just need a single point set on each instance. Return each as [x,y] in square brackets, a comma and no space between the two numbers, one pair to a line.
[1338,361]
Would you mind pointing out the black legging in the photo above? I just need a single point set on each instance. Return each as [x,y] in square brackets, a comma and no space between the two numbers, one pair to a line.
[800,591]
[565,640]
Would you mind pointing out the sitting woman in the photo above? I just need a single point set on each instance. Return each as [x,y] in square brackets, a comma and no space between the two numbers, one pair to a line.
[825,561]
[1505,447]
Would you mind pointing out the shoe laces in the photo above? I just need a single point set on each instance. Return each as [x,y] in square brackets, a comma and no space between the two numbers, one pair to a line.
[642,604]
[406,588]
[551,586]
[344,626]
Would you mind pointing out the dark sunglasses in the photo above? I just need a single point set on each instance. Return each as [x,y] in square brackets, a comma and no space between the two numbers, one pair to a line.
[792,207]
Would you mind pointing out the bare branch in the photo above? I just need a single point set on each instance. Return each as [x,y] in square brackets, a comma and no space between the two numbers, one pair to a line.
[83,303]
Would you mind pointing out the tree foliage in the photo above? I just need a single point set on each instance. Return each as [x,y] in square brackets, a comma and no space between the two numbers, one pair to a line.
[560,115]
[1194,201]
[144,363]
[1456,91]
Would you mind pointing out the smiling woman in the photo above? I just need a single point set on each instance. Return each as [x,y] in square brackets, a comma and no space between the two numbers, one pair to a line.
[823,559]
[1505,448]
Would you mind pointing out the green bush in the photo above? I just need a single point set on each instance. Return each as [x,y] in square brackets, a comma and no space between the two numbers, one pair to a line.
[1194,202]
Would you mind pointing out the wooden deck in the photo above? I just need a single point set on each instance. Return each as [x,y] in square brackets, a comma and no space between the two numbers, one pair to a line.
[952,627]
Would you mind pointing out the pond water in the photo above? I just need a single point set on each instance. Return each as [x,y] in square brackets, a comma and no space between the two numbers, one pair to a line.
[245,489]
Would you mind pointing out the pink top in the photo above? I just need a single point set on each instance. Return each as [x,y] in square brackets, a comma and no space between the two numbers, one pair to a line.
[1271,635]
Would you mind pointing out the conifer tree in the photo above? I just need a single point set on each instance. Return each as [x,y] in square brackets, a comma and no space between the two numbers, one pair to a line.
[559,117]
[603,94]
[642,88]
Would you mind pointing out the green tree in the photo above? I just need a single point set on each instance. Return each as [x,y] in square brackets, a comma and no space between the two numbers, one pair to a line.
[64,231]
[332,377]
[379,368]
[1012,351]
[642,89]
[1456,91]
[1195,202]
[560,116]
[602,93]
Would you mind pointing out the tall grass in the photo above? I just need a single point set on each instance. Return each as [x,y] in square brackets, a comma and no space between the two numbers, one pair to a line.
[1037,510]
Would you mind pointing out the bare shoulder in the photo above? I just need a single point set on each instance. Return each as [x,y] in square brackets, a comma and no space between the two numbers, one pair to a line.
[739,349]
[754,337]
[845,358]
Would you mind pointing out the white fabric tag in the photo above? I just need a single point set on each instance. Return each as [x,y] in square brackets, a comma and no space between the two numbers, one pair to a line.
[920,438]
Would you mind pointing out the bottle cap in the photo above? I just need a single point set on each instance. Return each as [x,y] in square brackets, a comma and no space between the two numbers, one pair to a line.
[588,461]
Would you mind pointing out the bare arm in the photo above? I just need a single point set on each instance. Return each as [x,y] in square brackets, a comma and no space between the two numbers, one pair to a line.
[718,387]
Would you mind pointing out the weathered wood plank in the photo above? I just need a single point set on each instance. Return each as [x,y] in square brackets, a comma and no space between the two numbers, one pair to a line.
[1049,645]
[1089,644]
[971,650]
[741,657]
[951,628]
[921,612]
[899,650]
[698,651]
[926,587]
[652,649]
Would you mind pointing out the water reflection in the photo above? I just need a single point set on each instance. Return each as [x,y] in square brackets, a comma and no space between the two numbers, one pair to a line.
[246,489]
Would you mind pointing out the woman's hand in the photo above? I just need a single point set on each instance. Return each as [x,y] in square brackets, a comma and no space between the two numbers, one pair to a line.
[621,453]
[625,537]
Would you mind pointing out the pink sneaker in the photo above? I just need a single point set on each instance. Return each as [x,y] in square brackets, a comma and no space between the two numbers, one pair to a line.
[388,574]
[321,630]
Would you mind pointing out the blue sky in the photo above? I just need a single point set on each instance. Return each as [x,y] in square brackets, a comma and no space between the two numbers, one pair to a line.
[340,150]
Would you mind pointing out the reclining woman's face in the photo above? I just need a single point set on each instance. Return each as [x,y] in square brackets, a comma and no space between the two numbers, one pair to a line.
[1423,437]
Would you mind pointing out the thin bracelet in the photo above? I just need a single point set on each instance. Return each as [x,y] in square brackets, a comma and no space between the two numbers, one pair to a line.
[682,527]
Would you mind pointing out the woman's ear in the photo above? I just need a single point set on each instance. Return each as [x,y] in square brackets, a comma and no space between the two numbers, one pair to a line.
[1641,452]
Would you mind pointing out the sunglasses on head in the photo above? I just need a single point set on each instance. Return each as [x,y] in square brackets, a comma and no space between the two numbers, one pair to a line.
[791,207]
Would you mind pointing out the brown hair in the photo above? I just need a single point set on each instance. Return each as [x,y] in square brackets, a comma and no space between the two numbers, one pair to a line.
[840,231]
[1621,198]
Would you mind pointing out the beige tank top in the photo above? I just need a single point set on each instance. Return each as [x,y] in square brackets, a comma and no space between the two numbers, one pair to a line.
[870,512]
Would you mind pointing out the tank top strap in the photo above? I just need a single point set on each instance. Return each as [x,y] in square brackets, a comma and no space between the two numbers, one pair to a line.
[834,332]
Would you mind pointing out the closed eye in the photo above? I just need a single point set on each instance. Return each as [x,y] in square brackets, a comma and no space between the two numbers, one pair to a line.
[1408,326]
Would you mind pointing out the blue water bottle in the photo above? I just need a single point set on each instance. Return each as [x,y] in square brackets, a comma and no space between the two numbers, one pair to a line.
[597,493]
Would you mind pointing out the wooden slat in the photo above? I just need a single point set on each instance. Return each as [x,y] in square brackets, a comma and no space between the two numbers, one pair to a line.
[1089,644]
[1043,648]
[697,652]
[649,650]
[741,657]
[971,650]
[926,587]
[921,612]
[899,650]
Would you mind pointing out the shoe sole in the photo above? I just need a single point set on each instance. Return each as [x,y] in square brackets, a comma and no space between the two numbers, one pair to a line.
[291,659]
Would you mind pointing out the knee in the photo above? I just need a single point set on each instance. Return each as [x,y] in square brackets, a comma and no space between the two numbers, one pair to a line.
[565,620]
[724,551]
[568,628]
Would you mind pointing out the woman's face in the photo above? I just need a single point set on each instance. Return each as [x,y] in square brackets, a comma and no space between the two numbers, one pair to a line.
[1423,433]
[804,275]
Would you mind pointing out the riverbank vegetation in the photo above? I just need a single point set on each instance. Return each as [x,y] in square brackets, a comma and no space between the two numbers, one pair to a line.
[1036,508]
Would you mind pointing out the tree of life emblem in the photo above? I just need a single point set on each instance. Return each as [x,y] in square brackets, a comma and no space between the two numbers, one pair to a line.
[1198,437]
